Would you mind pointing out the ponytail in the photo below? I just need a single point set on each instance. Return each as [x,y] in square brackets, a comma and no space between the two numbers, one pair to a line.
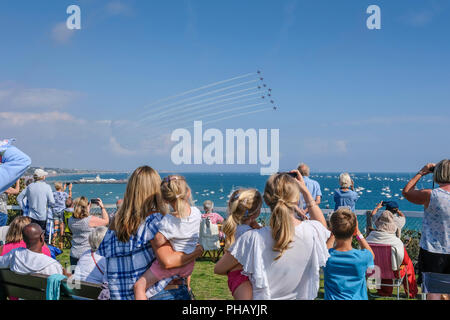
[281,194]
[229,229]
[243,204]
[281,227]
[174,189]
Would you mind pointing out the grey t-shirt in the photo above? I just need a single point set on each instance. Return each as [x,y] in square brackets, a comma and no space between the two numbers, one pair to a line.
[80,236]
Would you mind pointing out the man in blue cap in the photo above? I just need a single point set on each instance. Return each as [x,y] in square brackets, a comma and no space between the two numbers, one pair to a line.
[392,206]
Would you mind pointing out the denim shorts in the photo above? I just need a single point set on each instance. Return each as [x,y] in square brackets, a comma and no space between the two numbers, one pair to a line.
[182,293]
[58,216]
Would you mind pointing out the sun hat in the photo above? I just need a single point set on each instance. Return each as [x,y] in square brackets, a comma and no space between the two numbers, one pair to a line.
[386,222]
[40,173]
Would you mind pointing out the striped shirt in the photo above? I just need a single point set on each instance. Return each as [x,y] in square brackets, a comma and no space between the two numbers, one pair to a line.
[127,261]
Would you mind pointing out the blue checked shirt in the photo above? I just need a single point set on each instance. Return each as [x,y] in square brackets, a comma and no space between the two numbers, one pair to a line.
[127,261]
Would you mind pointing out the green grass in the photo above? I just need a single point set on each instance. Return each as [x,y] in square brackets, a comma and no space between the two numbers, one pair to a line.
[208,286]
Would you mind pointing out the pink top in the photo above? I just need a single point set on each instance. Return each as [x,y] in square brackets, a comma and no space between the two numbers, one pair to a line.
[11,246]
[214,217]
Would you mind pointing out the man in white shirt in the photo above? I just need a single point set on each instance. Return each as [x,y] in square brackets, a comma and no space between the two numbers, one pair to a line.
[31,259]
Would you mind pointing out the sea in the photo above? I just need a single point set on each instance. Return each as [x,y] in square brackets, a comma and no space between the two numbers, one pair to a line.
[372,188]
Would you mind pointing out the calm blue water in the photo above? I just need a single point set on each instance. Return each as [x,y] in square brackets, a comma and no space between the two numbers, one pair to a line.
[217,186]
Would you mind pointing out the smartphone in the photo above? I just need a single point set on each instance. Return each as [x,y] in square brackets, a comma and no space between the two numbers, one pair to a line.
[292,174]
[94,201]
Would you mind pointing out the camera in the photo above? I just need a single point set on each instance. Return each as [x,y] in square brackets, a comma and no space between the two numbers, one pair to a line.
[94,201]
[432,169]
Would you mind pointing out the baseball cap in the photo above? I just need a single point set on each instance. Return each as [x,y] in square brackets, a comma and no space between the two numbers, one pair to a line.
[40,173]
[391,205]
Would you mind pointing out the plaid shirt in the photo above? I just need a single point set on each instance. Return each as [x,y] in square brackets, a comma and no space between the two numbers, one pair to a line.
[127,261]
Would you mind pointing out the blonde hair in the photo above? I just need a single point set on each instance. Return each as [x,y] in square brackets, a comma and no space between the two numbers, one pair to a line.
[176,191]
[81,208]
[243,205]
[281,194]
[142,196]
[58,186]
[14,233]
[441,172]
[344,180]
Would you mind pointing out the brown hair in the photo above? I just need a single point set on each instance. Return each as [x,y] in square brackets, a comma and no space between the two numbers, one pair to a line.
[174,189]
[243,205]
[281,194]
[142,196]
[81,208]
[69,202]
[14,233]
[343,223]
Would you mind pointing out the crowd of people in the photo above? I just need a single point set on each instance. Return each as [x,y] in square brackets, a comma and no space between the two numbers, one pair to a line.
[148,248]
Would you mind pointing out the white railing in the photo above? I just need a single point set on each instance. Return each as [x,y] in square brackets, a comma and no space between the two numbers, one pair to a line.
[410,214]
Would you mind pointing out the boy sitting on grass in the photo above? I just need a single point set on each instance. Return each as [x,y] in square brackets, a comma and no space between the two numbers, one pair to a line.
[345,271]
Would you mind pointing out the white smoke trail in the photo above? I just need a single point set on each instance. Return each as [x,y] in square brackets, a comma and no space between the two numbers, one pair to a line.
[178,103]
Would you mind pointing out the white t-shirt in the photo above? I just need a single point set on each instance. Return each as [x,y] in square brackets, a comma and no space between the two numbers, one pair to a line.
[86,270]
[296,274]
[241,229]
[182,233]
[24,261]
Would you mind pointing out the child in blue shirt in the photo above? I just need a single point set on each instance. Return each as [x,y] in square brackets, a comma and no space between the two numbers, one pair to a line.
[345,271]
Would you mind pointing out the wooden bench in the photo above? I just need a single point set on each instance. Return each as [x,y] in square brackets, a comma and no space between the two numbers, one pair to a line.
[33,287]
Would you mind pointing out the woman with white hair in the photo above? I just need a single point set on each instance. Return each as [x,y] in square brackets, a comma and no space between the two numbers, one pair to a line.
[91,267]
[345,196]
[434,254]
[215,218]
[386,234]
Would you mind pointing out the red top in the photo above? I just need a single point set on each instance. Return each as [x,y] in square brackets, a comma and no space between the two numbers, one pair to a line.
[11,246]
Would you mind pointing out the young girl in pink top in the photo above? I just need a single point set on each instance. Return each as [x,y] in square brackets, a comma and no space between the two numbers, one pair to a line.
[244,207]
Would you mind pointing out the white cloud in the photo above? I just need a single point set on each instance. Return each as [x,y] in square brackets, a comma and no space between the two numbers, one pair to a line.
[61,34]
[118,7]
[118,149]
[42,98]
[392,120]
[321,146]
[25,118]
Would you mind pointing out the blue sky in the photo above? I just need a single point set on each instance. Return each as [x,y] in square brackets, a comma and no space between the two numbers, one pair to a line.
[349,98]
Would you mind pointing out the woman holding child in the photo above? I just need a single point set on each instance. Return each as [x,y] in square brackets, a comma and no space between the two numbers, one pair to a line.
[127,246]
[281,261]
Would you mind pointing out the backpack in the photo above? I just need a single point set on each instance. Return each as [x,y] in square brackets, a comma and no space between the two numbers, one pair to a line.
[209,235]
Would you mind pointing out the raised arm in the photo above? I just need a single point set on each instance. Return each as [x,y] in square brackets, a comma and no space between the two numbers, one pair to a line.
[15,163]
[421,197]
[100,222]
[15,190]
[374,211]
[315,213]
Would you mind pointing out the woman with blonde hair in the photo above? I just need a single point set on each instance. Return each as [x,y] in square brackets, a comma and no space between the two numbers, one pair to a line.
[244,207]
[14,237]
[283,259]
[434,254]
[128,245]
[81,224]
[345,196]
[180,227]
